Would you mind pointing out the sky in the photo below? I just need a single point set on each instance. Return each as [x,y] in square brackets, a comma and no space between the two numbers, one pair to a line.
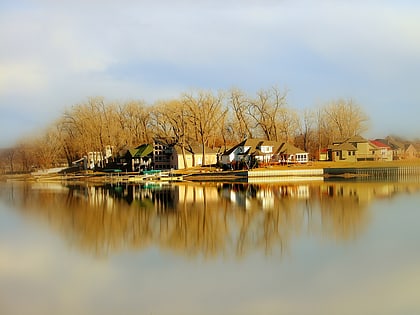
[54,54]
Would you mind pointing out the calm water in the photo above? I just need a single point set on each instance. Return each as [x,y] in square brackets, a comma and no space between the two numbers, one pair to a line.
[310,248]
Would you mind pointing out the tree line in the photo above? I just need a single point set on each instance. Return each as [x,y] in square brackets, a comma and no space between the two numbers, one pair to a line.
[212,119]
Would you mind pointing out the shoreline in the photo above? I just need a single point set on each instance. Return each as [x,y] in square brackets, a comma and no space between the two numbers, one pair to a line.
[340,170]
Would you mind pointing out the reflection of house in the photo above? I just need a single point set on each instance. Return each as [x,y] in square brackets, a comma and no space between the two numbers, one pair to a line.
[253,151]
[189,194]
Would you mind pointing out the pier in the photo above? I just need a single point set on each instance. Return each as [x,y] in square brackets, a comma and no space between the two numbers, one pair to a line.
[401,173]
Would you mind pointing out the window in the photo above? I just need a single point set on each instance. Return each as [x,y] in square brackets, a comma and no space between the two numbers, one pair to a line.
[266,149]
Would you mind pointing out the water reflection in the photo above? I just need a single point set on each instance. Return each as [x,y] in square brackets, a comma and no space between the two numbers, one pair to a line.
[211,220]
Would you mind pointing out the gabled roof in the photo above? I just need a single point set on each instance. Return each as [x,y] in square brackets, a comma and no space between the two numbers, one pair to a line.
[352,139]
[287,148]
[140,151]
[254,147]
[343,147]
[193,149]
[379,144]
[408,145]
[232,149]
[357,139]
[144,150]
[395,144]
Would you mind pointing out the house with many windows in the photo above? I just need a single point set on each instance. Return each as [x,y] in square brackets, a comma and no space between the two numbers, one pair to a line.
[384,151]
[136,158]
[170,156]
[252,152]
[357,148]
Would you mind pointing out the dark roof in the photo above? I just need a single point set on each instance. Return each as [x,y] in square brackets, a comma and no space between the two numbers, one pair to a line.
[357,139]
[343,147]
[256,144]
[194,149]
[352,139]
[144,150]
[395,144]
[287,148]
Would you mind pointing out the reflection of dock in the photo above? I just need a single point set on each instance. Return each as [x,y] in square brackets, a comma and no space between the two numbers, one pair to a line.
[284,179]
[274,176]
[148,176]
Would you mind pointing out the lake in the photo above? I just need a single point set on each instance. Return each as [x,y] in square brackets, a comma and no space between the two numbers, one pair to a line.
[306,248]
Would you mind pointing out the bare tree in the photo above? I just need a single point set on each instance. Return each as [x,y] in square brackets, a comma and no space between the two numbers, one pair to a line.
[240,120]
[272,117]
[134,119]
[307,132]
[343,119]
[205,112]
[170,120]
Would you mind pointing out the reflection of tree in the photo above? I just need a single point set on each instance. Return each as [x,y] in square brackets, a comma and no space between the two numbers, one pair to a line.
[200,220]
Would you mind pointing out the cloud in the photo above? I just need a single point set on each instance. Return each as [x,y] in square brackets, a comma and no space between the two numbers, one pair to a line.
[26,77]
[60,53]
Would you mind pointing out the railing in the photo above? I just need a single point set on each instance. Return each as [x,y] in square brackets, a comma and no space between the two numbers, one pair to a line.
[378,173]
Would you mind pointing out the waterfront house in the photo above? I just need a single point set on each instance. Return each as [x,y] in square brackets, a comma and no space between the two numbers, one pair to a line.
[137,158]
[402,149]
[410,151]
[170,156]
[323,154]
[99,159]
[193,156]
[384,152]
[252,152]
[353,149]
[397,148]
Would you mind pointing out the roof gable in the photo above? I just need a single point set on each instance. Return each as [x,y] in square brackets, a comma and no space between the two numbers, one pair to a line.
[379,144]
[343,147]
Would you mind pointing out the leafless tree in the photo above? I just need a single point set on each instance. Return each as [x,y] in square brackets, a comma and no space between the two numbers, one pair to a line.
[170,123]
[343,118]
[271,115]
[240,118]
[205,111]
[307,134]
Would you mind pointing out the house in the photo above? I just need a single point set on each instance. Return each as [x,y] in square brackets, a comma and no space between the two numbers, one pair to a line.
[342,152]
[170,156]
[99,159]
[353,149]
[323,154]
[193,156]
[410,152]
[403,149]
[397,148]
[137,158]
[252,152]
[384,151]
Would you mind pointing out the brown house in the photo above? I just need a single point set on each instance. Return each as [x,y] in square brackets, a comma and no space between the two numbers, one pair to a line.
[170,156]
[353,149]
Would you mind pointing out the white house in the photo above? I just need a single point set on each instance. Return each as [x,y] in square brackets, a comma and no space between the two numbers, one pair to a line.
[251,151]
